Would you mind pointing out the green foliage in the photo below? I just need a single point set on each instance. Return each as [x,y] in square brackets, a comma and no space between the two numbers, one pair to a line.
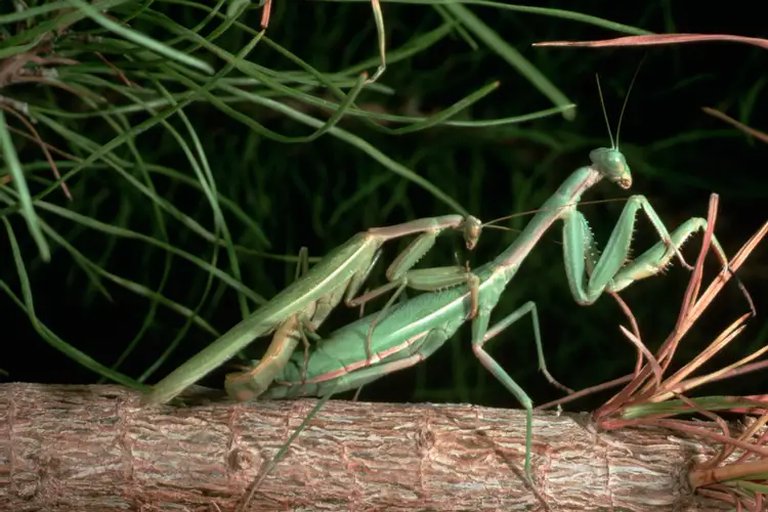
[201,153]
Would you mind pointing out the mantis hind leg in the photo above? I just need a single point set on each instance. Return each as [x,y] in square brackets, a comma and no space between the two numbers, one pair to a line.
[249,384]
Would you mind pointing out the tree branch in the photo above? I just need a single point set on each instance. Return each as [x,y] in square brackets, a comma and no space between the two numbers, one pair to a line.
[96,448]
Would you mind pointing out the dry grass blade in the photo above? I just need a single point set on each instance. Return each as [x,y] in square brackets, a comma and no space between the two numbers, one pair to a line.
[694,285]
[643,351]
[636,339]
[738,472]
[723,277]
[35,136]
[667,349]
[705,433]
[702,477]
[753,430]
[761,136]
[591,390]
[266,12]
[31,67]
[643,389]
[742,480]
[725,337]
[695,308]
[660,39]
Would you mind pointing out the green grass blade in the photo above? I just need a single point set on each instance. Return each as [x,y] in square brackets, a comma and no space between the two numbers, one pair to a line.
[528,9]
[142,39]
[512,56]
[27,304]
[354,141]
[25,199]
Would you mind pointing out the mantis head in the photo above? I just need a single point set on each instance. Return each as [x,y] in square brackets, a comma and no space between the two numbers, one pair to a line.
[472,229]
[610,162]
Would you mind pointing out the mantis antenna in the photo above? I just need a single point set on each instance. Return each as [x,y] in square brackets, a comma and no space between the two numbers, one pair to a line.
[605,113]
[623,106]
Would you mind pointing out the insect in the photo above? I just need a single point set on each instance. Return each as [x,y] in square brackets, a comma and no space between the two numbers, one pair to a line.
[249,384]
[310,299]
[414,329]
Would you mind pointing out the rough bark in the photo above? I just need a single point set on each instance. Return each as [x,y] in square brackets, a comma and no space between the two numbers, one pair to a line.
[96,448]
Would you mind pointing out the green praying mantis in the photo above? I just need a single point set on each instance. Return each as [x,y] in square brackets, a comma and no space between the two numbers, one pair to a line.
[402,335]
[414,329]
[309,300]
